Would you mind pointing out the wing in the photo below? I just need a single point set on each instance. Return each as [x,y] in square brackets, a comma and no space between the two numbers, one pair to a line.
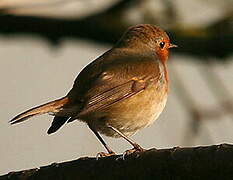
[114,81]
[116,94]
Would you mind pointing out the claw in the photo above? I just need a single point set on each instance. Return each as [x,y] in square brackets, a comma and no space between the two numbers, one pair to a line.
[103,154]
[137,148]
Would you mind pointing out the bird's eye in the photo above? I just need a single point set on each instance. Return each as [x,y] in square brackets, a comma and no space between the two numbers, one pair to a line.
[162,44]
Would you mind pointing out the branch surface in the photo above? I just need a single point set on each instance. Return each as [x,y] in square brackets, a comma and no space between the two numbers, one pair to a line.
[210,162]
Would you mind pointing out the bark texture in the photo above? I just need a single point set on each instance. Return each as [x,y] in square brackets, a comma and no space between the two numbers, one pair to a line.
[210,162]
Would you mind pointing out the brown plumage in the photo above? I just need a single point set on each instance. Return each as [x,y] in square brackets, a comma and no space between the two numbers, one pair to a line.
[120,92]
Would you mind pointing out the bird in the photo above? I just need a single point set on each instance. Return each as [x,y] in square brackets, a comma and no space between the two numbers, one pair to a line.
[122,91]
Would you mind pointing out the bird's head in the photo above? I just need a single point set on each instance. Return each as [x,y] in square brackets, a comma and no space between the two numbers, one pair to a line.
[147,37]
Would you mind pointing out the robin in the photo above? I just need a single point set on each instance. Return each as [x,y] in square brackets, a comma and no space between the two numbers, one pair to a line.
[119,93]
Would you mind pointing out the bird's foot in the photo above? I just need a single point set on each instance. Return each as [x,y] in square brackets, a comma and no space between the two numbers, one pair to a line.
[136,148]
[103,154]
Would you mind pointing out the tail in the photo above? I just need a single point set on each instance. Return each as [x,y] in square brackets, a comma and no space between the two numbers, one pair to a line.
[51,107]
[58,121]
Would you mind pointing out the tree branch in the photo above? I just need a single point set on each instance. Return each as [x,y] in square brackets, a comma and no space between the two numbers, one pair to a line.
[214,40]
[210,162]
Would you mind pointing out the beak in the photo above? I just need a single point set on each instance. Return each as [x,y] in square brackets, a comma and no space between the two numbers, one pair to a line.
[172,46]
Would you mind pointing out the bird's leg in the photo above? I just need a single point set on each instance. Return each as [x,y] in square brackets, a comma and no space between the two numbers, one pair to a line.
[136,147]
[102,154]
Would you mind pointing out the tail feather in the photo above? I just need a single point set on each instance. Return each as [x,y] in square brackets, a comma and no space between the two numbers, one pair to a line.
[51,107]
[58,121]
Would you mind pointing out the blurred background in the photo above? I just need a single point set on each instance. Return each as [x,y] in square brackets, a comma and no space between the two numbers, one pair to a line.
[45,44]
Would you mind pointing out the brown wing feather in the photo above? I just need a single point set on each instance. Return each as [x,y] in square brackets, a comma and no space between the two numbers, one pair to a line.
[115,95]
[118,76]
